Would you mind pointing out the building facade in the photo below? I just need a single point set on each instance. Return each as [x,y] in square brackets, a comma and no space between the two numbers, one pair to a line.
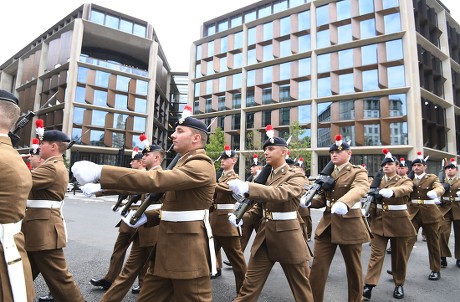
[383,73]
[101,77]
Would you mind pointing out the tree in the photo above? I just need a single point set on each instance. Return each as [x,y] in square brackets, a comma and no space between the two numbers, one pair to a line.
[299,144]
[215,146]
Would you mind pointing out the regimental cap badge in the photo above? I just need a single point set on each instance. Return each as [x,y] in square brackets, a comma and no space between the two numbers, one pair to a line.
[40,128]
[185,114]
[270,133]
[135,152]
[144,141]
[388,157]
[338,141]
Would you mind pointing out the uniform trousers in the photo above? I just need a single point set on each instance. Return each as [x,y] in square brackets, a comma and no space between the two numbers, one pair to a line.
[308,224]
[398,259]
[445,230]
[232,248]
[136,265]
[124,239]
[161,289]
[324,253]
[259,268]
[432,242]
[248,226]
[53,267]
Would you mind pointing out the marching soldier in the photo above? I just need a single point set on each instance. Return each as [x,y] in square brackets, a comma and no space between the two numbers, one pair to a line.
[144,241]
[450,209]
[279,237]
[390,221]
[342,223]
[44,226]
[225,236]
[185,244]
[424,212]
[124,239]
[15,273]
[403,168]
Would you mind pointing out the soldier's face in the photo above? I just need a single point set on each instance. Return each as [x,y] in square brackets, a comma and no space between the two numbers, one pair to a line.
[418,168]
[340,157]
[183,139]
[451,172]
[227,163]
[135,164]
[402,171]
[35,161]
[254,169]
[150,160]
[389,168]
[275,155]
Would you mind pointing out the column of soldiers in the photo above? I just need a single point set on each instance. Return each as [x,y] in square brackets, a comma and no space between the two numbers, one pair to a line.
[185,226]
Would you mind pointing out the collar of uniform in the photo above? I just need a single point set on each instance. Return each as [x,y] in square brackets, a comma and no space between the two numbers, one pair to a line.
[281,168]
[339,168]
[53,158]
[226,173]
[419,177]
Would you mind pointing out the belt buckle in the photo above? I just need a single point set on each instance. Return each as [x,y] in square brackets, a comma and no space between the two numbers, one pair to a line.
[420,201]
[385,207]
[214,206]
[268,215]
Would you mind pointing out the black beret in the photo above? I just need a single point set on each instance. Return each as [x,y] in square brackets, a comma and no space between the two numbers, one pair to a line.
[258,164]
[451,165]
[387,160]
[224,155]
[192,123]
[151,148]
[55,136]
[339,144]
[419,159]
[33,151]
[137,156]
[275,141]
[402,162]
[290,161]
[9,97]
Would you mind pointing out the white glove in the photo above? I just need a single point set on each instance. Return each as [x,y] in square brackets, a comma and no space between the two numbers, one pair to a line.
[90,189]
[238,186]
[387,193]
[458,193]
[232,219]
[86,171]
[142,220]
[432,194]
[437,201]
[303,200]
[236,206]
[339,208]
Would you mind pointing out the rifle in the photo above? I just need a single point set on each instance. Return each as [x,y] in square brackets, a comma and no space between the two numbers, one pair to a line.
[119,201]
[373,192]
[324,181]
[246,203]
[153,197]
[132,199]
[22,121]
[72,142]
[442,175]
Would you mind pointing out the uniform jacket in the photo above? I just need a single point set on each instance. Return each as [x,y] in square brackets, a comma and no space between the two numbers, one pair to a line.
[452,204]
[182,247]
[429,213]
[351,185]
[44,228]
[284,238]
[393,223]
[16,183]
[219,218]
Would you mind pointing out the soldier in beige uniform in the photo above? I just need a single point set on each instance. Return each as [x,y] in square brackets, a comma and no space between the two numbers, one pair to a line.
[44,226]
[144,241]
[424,212]
[304,212]
[181,269]
[389,221]
[279,237]
[15,273]
[450,209]
[124,239]
[225,236]
[342,223]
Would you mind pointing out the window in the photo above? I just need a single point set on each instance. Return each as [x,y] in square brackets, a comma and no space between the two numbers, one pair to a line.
[78,115]
[112,21]
[344,34]
[252,36]
[139,124]
[211,29]
[221,26]
[221,103]
[304,20]
[279,6]
[121,101]
[285,26]
[399,134]
[237,60]
[285,71]
[322,39]
[209,87]
[250,97]
[126,26]
[267,95]
[304,67]
[285,116]
[346,58]
[223,44]
[392,23]
[119,121]
[237,78]
[285,48]
[394,50]
[236,101]
[97,17]
[390,3]
[265,11]
[395,76]
[251,78]
[397,105]
[141,87]
[347,110]
[139,30]
[250,16]
[222,82]
[372,135]
[76,134]
[252,56]
[208,105]
[268,52]
[236,121]
[343,10]
[304,90]
[367,28]
[80,95]
[372,108]
[268,31]
[369,54]
[366,6]
[236,21]
[370,80]
[324,112]
[267,75]
[266,117]
[324,63]
[199,50]
[140,105]
[304,43]
[122,83]
[238,40]
[322,15]
[324,87]
[118,140]
[285,93]
[304,114]
[82,74]
[100,98]
[96,138]
[210,48]
[98,118]
[249,120]
[346,84]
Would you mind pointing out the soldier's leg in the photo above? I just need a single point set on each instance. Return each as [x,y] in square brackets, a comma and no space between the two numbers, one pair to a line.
[444,235]
[352,256]
[157,289]
[456,227]
[246,232]
[118,255]
[53,267]
[298,281]
[259,268]
[192,290]
[399,259]
[432,242]
[374,268]
[324,253]
[232,249]
[411,241]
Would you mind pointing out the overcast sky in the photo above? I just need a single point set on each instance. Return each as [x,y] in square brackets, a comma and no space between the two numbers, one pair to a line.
[176,22]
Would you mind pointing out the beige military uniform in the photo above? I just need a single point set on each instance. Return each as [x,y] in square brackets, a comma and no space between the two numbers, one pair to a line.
[15,182]
[450,209]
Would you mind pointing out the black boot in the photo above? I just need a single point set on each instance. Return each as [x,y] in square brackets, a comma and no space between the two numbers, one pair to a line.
[101,282]
[47,298]
[443,262]
[367,292]
[398,293]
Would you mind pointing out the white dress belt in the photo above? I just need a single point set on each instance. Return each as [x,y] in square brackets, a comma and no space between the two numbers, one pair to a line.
[225,206]
[13,260]
[46,204]
[280,215]
[448,198]
[392,207]
[423,201]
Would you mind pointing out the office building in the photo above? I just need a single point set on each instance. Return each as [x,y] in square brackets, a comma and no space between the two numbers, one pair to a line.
[383,73]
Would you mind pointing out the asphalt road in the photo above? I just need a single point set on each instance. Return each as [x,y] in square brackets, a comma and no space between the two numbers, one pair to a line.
[91,222]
